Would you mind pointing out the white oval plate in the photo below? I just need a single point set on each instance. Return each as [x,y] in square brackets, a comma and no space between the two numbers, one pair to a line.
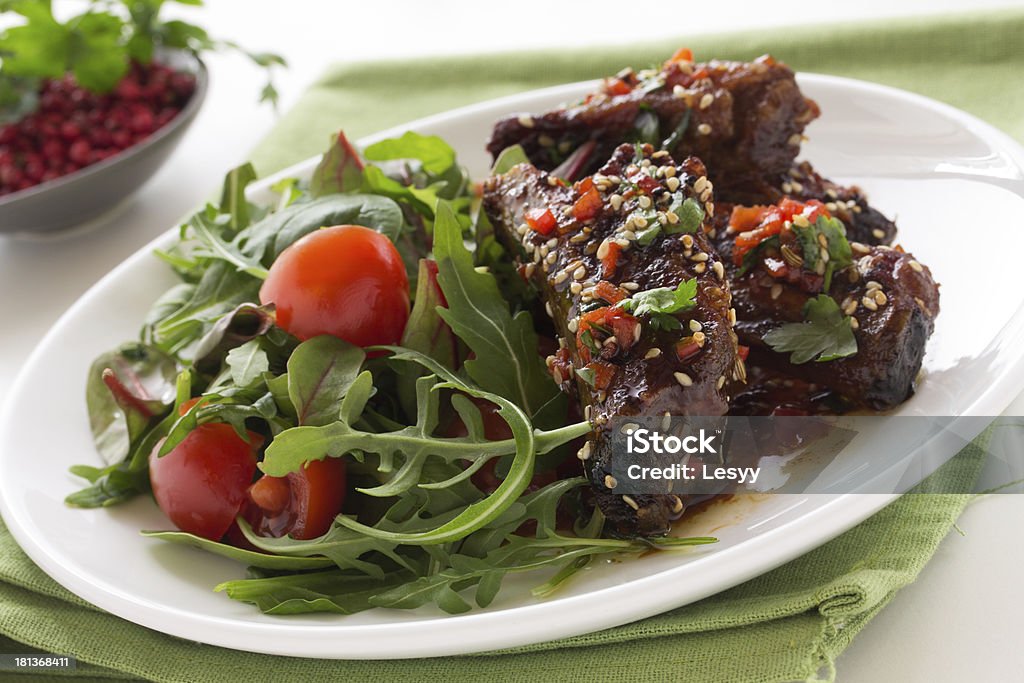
[951,180]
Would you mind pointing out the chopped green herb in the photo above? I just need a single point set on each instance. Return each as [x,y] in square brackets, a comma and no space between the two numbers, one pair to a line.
[824,335]
[661,302]
[690,212]
[839,253]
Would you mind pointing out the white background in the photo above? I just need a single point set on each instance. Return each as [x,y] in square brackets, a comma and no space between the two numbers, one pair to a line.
[963,620]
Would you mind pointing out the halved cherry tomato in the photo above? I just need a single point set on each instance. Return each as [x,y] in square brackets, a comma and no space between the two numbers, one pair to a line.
[347,281]
[200,485]
[617,86]
[683,54]
[301,504]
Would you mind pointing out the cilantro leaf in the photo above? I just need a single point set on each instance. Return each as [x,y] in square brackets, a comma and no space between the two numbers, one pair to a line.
[690,212]
[839,253]
[824,335]
[662,299]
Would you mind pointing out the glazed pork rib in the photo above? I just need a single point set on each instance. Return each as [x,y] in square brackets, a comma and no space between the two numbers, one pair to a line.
[596,250]
[889,297]
[744,120]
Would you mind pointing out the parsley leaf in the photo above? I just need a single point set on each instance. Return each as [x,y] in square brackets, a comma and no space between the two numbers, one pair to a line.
[824,335]
[661,302]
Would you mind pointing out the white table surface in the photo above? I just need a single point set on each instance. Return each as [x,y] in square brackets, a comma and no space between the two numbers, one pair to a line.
[963,620]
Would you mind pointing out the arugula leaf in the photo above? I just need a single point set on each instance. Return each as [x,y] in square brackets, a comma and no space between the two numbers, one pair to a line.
[506,362]
[661,302]
[245,322]
[232,199]
[824,335]
[206,226]
[249,557]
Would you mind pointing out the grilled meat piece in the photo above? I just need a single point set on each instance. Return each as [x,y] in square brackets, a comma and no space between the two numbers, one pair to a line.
[744,120]
[890,296]
[592,248]
[849,204]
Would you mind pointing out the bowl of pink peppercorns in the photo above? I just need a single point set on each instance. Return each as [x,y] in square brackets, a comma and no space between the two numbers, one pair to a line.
[92,104]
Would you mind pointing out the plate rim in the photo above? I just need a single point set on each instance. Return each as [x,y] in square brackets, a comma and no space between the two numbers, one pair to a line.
[480,631]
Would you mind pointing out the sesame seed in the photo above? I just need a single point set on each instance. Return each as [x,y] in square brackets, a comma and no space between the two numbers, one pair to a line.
[584,453]
[638,331]
[573,325]
[721,382]
[579,273]
[819,267]
[700,268]
[869,303]
[797,187]
[631,286]
[700,256]
[795,139]
[705,195]
[860,248]
[552,243]
[622,243]
[832,206]
[776,290]
[652,353]
[576,239]
[732,317]
[695,326]
[878,233]
[551,258]
[824,255]
[700,184]
[531,268]
[660,154]
[552,181]
[677,504]
[719,269]
[678,91]
[687,241]
[854,324]
[561,277]
[547,308]
[916,267]
[669,171]
[850,308]
[709,209]
[616,201]
[671,217]
[700,338]
[523,229]
[526,121]
[640,222]
[872,284]
[706,101]
[609,481]
[672,184]
[575,288]
[880,298]
[630,502]
[801,221]
[704,129]
[644,202]
[628,235]
[831,193]
[683,379]
[603,250]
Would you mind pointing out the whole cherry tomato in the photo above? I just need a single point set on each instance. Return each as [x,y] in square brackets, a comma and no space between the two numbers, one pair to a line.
[347,281]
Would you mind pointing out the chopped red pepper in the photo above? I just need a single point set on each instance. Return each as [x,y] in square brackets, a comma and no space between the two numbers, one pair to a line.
[646,183]
[609,292]
[604,372]
[617,86]
[587,206]
[683,54]
[624,327]
[686,348]
[755,224]
[621,324]
[541,220]
[743,352]
[584,185]
[610,261]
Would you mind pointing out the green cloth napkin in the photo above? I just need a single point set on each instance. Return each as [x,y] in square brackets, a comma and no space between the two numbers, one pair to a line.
[788,624]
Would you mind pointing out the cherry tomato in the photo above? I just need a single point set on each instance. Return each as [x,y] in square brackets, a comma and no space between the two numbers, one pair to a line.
[301,504]
[200,485]
[347,281]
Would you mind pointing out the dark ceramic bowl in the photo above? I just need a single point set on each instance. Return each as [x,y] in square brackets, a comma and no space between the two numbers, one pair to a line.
[90,192]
